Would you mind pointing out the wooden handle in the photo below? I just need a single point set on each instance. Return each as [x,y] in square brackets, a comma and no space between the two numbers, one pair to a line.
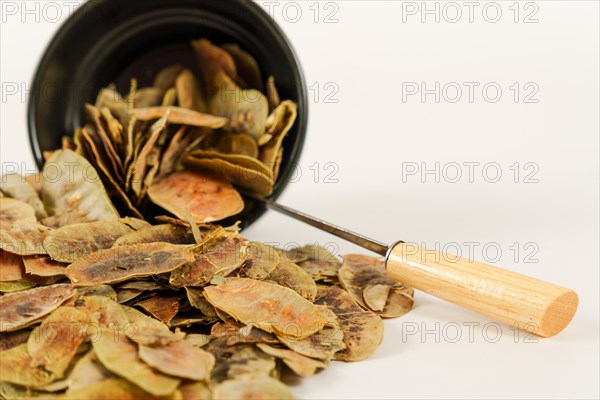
[534,305]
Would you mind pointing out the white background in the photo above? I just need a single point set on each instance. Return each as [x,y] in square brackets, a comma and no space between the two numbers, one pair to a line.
[372,52]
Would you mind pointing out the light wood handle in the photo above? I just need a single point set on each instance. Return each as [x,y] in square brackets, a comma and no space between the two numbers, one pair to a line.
[532,304]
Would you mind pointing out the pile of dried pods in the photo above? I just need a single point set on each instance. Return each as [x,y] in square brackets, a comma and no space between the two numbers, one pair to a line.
[98,303]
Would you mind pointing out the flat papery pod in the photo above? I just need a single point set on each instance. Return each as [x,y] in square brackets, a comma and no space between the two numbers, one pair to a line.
[239,144]
[245,110]
[11,267]
[197,300]
[9,391]
[153,164]
[270,307]
[105,313]
[17,187]
[360,272]
[252,387]
[195,391]
[21,309]
[179,359]
[321,270]
[148,97]
[188,91]
[233,361]
[363,330]
[220,257]
[169,98]
[179,115]
[53,344]
[115,388]
[114,127]
[42,265]
[97,290]
[197,339]
[161,307]
[247,67]
[249,179]
[114,182]
[279,124]
[321,345]
[36,180]
[166,77]
[23,238]
[146,330]
[206,196]
[262,260]
[213,60]
[56,386]
[277,165]
[119,355]
[299,364]
[87,371]
[186,320]
[375,296]
[235,333]
[73,185]
[68,218]
[272,93]
[158,233]
[137,170]
[12,210]
[69,243]
[127,262]
[290,275]
[126,295]
[398,303]
[17,286]
[243,161]
[142,285]
[95,117]
[15,367]
[174,151]
[8,340]
[110,98]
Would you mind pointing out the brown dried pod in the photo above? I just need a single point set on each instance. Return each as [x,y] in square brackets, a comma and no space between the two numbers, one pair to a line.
[206,196]
[53,344]
[252,387]
[301,365]
[119,355]
[290,275]
[270,307]
[23,238]
[365,279]
[363,330]
[220,257]
[42,265]
[87,371]
[17,187]
[179,359]
[126,262]
[161,307]
[11,267]
[72,184]
[12,211]
[179,115]
[69,243]
[15,367]
[19,310]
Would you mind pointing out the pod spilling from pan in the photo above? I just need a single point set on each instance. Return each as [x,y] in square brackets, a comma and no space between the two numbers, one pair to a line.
[101,298]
